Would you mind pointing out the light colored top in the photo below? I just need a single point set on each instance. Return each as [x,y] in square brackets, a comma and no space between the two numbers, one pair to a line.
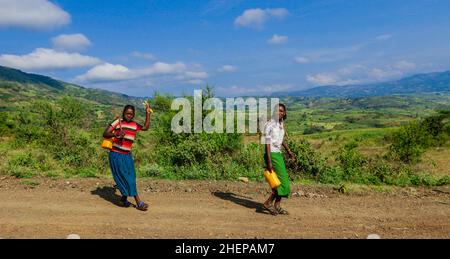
[274,135]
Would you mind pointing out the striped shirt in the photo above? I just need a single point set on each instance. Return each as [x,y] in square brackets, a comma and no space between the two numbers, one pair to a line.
[131,128]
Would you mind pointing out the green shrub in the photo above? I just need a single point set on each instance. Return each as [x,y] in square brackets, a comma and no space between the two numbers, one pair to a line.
[87,172]
[330,175]
[20,171]
[412,140]
[310,164]
[444,181]
[447,129]
[155,170]
[194,156]
[251,157]
[352,163]
[28,164]
[312,129]
[6,125]
[23,159]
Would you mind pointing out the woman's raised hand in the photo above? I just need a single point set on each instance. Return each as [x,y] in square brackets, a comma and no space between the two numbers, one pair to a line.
[147,107]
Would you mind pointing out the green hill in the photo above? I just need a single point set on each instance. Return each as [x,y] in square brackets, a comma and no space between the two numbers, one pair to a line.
[17,86]
[13,75]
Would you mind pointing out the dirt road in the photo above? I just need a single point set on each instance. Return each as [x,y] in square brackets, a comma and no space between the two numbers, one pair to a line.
[46,208]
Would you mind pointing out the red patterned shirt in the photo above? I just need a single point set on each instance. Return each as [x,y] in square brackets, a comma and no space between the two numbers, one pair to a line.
[131,128]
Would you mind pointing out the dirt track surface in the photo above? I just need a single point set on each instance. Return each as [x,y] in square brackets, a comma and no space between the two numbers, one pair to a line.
[47,208]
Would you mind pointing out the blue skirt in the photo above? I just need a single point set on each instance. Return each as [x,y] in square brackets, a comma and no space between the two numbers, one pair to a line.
[122,167]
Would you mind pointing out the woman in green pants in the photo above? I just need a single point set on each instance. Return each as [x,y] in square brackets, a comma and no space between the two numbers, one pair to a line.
[274,136]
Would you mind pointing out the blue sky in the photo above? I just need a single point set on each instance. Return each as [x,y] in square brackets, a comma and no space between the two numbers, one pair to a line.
[238,47]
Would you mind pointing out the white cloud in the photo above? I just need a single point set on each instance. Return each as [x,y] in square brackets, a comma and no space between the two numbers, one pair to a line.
[106,72]
[48,59]
[196,82]
[163,68]
[384,37]
[147,56]
[278,39]
[34,14]
[362,74]
[110,72]
[301,60]
[274,88]
[256,18]
[196,65]
[227,68]
[194,74]
[256,90]
[252,18]
[71,42]
[404,65]
[352,70]
[395,70]
[279,13]
[322,79]
[328,55]
[329,79]
[381,74]
[190,75]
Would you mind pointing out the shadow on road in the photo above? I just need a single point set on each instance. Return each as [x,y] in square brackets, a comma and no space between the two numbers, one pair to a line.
[241,200]
[108,193]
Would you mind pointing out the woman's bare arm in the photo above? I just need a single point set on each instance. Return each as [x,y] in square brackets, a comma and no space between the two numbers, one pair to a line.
[269,160]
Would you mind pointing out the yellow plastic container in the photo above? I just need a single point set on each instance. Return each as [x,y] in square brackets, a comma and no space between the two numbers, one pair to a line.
[272,179]
[107,143]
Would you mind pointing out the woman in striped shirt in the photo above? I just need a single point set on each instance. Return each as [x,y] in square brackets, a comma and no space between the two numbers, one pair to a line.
[124,131]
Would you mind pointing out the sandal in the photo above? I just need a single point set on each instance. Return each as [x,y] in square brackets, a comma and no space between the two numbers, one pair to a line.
[271,209]
[281,211]
[125,202]
[142,206]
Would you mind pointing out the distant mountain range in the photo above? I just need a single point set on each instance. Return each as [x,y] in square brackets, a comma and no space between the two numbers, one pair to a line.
[420,83]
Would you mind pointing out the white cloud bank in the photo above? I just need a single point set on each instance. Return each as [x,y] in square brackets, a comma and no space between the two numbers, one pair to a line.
[42,59]
[227,68]
[33,14]
[254,90]
[71,42]
[277,39]
[361,74]
[384,37]
[301,60]
[114,72]
[141,55]
[256,18]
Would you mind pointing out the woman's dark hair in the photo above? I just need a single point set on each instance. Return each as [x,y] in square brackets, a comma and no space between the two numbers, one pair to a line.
[285,111]
[284,107]
[130,107]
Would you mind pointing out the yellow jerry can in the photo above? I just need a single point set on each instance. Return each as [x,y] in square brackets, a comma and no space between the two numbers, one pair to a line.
[272,179]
